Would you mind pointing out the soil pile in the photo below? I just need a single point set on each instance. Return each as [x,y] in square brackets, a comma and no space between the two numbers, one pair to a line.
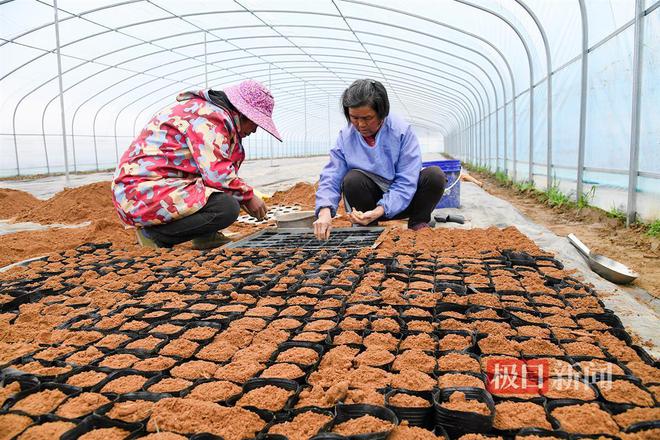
[13,202]
[302,194]
[91,202]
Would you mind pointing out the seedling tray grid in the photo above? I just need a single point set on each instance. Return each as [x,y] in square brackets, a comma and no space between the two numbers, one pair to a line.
[270,216]
[181,311]
[347,238]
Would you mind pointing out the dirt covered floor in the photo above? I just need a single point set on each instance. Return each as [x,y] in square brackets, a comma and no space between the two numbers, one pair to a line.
[604,235]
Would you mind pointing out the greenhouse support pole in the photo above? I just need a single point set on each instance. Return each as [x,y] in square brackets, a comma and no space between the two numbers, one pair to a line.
[583,100]
[59,80]
[505,158]
[304,152]
[548,61]
[636,104]
[206,64]
[531,87]
[328,145]
[270,138]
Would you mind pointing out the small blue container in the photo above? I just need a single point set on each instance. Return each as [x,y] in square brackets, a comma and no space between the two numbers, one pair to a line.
[452,195]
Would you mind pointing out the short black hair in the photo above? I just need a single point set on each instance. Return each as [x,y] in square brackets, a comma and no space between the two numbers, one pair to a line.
[366,92]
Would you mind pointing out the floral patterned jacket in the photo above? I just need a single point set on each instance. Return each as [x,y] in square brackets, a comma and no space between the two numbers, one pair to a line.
[185,153]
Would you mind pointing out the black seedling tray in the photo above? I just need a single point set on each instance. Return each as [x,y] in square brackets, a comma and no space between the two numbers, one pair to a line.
[347,412]
[303,238]
[416,416]
[94,421]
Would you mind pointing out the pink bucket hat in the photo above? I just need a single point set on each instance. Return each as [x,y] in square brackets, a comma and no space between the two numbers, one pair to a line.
[254,100]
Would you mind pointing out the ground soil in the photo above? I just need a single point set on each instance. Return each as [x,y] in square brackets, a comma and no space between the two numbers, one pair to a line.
[11,199]
[604,235]
[93,203]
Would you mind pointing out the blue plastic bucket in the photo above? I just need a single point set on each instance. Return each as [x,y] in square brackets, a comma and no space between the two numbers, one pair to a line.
[452,195]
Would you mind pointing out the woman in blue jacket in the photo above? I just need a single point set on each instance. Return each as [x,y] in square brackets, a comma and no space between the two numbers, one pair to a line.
[377,165]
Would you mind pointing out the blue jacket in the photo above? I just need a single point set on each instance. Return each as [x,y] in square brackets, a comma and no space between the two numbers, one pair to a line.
[396,157]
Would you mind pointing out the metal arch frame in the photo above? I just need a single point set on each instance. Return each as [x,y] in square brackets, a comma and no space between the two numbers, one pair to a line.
[339,89]
[61,94]
[350,28]
[164,49]
[451,116]
[416,55]
[548,60]
[259,64]
[633,164]
[439,93]
[274,30]
[458,108]
[181,17]
[483,40]
[134,24]
[279,11]
[495,94]
[247,72]
[389,24]
[159,100]
[173,16]
[458,101]
[138,73]
[625,26]
[584,59]
[479,131]
[307,47]
[498,72]
[86,61]
[169,94]
[531,85]
[462,59]
[239,49]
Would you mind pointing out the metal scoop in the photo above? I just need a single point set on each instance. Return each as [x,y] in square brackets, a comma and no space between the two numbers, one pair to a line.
[605,267]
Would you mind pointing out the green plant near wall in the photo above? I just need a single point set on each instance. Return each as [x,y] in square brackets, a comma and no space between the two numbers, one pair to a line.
[502,178]
[555,198]
[525,186]
[654,229]
[585,199]
[616,213]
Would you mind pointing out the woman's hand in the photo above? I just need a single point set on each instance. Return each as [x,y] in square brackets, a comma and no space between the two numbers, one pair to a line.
[364,218]
[323,224]
[256,207]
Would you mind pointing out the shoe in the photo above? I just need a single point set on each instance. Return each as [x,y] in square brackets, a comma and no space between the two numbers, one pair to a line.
[420,226]
[212,241]
[146,241]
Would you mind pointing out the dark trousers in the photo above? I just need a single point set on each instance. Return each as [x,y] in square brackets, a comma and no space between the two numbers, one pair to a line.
[220,211]
[362,193]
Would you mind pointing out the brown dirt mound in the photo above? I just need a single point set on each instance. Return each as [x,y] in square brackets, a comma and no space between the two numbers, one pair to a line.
[302,193]
[11,199]
[74,205]
[93,203]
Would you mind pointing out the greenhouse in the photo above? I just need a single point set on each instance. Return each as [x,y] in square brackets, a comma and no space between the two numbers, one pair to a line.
[330,219]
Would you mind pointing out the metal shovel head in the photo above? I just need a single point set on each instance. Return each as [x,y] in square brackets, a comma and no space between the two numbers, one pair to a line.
[611,270]
[605,267]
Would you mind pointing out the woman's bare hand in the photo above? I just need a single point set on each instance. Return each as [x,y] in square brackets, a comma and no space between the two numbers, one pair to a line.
[323,225]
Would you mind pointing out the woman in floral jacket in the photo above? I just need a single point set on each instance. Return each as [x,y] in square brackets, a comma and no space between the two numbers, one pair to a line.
[178,180]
